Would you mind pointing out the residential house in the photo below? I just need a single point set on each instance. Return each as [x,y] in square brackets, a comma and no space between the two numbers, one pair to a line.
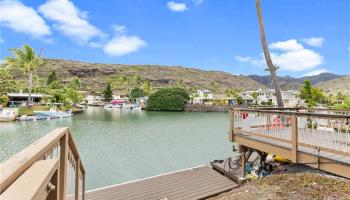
[202,96]
[20,99]
[290,97]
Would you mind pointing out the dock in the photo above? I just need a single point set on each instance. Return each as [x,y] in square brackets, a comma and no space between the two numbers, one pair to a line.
[195,183]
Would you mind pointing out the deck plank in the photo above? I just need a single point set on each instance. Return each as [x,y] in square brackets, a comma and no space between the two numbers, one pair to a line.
[195,183]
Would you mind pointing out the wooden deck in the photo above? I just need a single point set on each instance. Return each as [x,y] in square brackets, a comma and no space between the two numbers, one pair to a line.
[195,183]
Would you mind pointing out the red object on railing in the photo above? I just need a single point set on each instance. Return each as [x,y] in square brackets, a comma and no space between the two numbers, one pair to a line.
[244,115]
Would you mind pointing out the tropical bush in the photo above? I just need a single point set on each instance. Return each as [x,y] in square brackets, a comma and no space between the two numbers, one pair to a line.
[4,100]
[346,104]
[311,94]
[135,93]
[168,99]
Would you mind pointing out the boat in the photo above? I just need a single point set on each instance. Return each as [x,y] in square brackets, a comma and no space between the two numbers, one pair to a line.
[135,107]
[53,113]
[112,106]
[8,114]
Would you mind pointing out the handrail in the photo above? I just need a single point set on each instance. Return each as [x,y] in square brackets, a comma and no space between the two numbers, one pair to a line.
[292,112]
[59,140]
[301,108]
[326,132]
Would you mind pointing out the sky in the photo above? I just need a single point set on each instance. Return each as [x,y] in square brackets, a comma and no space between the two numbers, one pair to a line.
[304,37]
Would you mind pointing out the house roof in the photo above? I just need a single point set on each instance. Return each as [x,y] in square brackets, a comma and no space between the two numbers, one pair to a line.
[33,95]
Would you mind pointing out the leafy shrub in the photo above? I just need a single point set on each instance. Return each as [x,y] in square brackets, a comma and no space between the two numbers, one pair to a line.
[4,100]
[168,99]
[135,93]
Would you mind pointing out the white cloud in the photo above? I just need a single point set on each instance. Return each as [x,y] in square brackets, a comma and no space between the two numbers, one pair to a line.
[314,41]
[251,60]
[289,55]
[70,20]
[122,44]
[289,45]
[176,7]
[198,2]
[316,72]
[15,15]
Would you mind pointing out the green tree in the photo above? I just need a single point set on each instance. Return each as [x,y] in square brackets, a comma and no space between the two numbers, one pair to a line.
[168,99]
[233,93]
[7,83]
[75,83]
[28,61]
[146,87]
[240,100]
[51,78]
[340,96]
[345,104]
[255,97]
[4,100]
[135,93]
[72,96]
[311,95]
[108,93]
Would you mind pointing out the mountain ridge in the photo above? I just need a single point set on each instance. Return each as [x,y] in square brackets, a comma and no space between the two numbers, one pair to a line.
[95,76]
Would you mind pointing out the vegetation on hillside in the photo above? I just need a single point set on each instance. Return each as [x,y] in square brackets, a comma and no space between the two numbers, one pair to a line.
[168,99]
[94,76]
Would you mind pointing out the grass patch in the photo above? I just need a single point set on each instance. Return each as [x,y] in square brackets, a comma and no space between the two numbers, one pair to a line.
[30,110]
[291,186]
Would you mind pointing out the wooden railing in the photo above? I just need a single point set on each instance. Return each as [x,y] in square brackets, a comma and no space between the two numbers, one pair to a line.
[325,132]
[51,166]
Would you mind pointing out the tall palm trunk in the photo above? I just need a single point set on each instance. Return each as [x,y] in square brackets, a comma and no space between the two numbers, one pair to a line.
[272,68]
[30,88]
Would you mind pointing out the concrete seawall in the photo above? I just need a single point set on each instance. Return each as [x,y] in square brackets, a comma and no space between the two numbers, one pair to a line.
[206,108]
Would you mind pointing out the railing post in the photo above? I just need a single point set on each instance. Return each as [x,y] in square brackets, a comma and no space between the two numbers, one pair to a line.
[232,125]
[83,186]
[294,138]
[77,170]
[63,166]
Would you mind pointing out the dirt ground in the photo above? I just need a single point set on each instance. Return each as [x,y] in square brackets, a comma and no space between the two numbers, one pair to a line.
[291,186]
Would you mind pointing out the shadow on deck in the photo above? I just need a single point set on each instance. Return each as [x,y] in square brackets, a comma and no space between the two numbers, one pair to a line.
[195,183]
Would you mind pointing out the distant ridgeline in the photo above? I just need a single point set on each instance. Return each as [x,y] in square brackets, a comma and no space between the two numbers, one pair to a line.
[95,76]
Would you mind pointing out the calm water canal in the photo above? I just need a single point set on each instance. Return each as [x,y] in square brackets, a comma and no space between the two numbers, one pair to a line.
[118,146]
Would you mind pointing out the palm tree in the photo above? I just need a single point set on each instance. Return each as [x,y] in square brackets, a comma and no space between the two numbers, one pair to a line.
[25,59]
[271,67]
[146,87]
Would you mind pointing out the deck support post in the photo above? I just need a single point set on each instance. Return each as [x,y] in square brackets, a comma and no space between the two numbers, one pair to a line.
[63,167]
[243,150]
[232,125]
[295,138]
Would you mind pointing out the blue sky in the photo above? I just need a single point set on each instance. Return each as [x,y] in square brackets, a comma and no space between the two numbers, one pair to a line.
[305,37]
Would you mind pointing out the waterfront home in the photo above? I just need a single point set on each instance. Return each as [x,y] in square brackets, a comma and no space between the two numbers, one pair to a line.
[202,96]
[94,99]
[291,98]
[20,99]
